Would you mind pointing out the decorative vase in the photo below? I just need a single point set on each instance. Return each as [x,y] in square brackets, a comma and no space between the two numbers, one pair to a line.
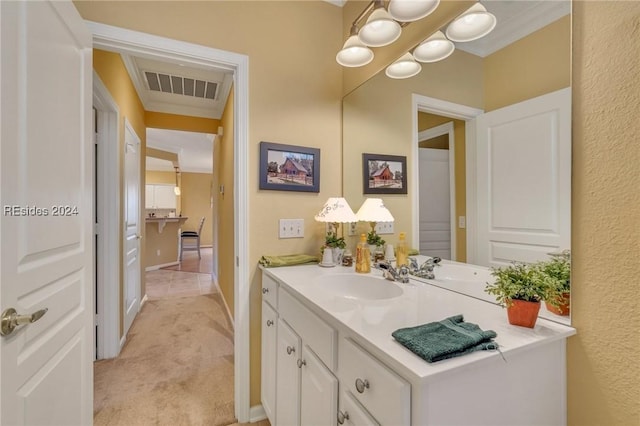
[523,313]
[337,255]
[563,309]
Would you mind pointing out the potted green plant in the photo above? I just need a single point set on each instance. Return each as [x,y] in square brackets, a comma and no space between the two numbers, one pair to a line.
[337,245]
[558,269]
[520,287]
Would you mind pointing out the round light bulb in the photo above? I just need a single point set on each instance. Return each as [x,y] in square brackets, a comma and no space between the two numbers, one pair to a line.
[404,67]
[411,10]
[380,29]
[354,53]
[473,24]
[433,49]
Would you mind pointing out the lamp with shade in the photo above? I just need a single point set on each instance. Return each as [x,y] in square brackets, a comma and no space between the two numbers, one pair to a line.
[374,211]
[336,211]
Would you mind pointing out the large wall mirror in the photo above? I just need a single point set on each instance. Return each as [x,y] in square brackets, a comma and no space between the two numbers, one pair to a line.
[487,137]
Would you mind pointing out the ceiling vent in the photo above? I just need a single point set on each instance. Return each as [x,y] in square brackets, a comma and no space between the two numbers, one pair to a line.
[181,85]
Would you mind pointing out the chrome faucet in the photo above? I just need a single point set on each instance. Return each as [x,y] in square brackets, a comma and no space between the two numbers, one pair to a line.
[392,274]
[426,269]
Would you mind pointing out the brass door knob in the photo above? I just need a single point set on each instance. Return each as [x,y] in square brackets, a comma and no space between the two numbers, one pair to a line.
[11,320]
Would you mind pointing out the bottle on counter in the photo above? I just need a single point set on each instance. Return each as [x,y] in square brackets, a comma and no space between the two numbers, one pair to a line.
[347,258]
[363,256]
[402,251]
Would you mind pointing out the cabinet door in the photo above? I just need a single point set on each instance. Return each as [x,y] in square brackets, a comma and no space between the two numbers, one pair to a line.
[148,197]
[269,336]
[319,391]
[288,376]
[165,197]
[353,414]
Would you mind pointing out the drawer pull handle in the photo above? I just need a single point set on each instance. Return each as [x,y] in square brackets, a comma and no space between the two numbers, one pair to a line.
[342,416]
[265,290]
[269,323]
[290,350]
[301,362]
[361,385]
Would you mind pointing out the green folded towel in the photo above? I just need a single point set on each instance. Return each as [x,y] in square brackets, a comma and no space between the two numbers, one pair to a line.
[445,339]
[413,252]
[287,260]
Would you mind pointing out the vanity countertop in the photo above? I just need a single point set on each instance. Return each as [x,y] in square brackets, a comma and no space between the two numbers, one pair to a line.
[373,321]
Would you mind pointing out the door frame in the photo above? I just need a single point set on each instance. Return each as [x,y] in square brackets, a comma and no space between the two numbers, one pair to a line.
[108,198]
[122,40]
[421,103]
[434,132]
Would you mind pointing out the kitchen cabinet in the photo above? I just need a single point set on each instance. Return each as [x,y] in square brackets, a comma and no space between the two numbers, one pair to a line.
[159,196]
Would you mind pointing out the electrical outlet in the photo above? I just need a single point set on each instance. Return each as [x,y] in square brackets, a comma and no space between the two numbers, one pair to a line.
[383,228]
[158,252]
[462,222]
[291,228]
[352,228]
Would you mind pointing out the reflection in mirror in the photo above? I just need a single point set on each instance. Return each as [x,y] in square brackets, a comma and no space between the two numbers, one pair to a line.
[486,133]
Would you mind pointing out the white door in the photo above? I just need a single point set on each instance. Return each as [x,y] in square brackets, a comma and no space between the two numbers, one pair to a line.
[319,392]
[523,193]
[46,227]
[131,294]
[288,373]
[435,209]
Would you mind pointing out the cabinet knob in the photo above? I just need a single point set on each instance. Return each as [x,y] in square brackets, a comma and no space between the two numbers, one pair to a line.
[290,350]
[342,416]
[301,362]
[361,385]
[269,323]
[265,290]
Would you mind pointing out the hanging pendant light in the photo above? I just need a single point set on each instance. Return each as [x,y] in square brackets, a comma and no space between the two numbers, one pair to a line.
[380,29]
[435,48]
[404,67]
[176,189]
[473,24]
[411,10]
[354,53]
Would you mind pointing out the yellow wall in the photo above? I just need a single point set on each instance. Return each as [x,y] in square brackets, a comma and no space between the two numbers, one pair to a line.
[112,72]
[161,120]
[378,119]
[532,66]
[196,203]
[603,359]
[427,121]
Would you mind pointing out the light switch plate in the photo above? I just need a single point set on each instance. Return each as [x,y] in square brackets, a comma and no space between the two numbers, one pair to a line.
[383,228]
[291,228]
[352,228]
[462,222]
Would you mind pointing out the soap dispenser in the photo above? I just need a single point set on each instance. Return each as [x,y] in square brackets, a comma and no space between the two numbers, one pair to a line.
[402,252]
[363,256]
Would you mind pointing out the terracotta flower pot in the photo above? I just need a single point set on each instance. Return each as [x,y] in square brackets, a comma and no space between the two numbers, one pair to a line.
[523,313]
[563,309]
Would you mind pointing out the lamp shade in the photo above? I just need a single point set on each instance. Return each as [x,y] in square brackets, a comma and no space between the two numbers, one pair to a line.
[404,67]
[373,210]
[380,29]
[354,53]
[336,210]
[473,24]
[411,10]
[435,48]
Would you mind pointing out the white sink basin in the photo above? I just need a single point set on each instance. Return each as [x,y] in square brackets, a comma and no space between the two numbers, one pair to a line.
[359,286]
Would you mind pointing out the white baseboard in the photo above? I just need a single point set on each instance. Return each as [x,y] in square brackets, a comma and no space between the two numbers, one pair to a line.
[257,413]
[164,265]
[214,278]
[143,301]
[123,340]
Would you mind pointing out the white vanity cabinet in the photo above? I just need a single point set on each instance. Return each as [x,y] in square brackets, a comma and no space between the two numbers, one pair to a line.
[298,361]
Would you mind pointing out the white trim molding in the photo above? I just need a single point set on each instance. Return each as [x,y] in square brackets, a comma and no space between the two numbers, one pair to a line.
[108,206]
[162,265]
[160,48]
[420,103]
[257,413]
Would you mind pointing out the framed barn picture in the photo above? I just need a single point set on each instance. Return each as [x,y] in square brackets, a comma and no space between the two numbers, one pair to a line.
[289,167]
[384,174]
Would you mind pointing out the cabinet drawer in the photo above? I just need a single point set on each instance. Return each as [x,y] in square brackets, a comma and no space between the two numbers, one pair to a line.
[354,414]
[382,392]
[270,290]
[315,332]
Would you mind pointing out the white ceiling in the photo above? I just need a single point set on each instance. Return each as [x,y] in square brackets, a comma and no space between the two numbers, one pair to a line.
[159,165]
[195,150]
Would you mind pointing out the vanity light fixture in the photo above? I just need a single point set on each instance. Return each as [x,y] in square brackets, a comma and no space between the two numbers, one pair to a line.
[374,211]
[176,189]
[436,48]
[411,10]
[336,211]
[354,53]
[473,24]
[404,67]
[381,29]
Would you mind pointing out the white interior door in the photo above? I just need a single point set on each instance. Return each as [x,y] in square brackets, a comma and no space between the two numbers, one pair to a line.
[131,293]
[523,181]
[46,227]
[435,209]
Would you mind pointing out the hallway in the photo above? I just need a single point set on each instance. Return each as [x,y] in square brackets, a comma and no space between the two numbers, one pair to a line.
[177,365]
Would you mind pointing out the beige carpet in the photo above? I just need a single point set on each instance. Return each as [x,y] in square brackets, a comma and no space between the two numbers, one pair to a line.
[175,369]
